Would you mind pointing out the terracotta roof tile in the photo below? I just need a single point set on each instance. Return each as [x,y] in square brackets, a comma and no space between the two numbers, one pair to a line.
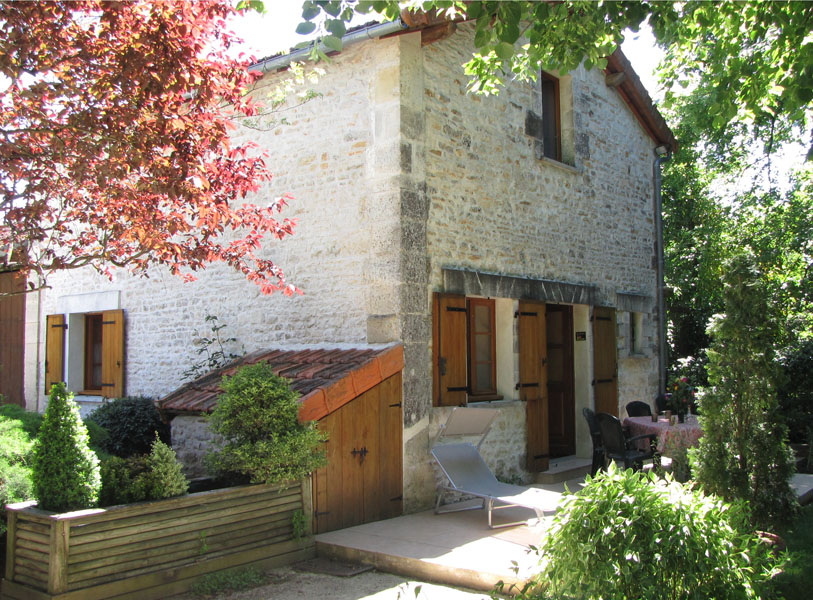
[325,378]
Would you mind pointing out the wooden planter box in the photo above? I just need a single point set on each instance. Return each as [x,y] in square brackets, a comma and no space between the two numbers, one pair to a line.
[152,549]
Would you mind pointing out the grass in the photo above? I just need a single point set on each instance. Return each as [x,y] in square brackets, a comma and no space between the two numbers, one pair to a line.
[229,581]
[796,581]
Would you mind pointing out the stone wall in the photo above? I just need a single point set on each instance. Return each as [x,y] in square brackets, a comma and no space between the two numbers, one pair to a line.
[490,205]
[338,157]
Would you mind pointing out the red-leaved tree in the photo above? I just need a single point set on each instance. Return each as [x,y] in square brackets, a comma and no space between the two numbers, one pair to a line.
[114,142]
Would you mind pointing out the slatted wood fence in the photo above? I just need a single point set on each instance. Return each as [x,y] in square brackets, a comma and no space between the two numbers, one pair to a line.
[152,549]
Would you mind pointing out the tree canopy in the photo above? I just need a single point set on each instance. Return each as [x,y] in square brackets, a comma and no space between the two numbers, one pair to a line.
[114,142]
[757,56]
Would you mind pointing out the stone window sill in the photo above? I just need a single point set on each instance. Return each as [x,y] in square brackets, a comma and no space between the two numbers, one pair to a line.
[560,165]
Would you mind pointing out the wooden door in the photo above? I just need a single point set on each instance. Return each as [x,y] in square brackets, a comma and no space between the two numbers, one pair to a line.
[561,400]
[363,480]
[605,378]
[533,382]
[12,334]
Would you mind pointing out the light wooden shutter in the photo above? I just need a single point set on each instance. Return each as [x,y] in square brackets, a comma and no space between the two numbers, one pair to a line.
[54,350]
[113,353]
[533,382]
[605,380]
[449,348]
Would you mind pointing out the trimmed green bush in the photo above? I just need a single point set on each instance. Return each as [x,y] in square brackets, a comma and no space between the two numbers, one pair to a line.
[628,536]
[257,416]
[65,471]
[132,423]
[154,476]
[164,477]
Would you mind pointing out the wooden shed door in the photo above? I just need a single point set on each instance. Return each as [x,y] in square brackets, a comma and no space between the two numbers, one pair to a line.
[533,382]
[605,382]
[362,481]
[12,336]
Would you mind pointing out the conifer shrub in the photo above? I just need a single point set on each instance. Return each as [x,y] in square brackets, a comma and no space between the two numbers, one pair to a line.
[65,471]
[744,452]
[257,417]
[154,476]
[628,536]
[132,423]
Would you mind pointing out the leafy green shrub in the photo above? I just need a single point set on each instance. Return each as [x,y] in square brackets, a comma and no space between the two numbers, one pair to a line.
[16,452]
[121,480]
[154,476]
[257,416]
[628,536]
[65,471]
[98,439]
[132,423]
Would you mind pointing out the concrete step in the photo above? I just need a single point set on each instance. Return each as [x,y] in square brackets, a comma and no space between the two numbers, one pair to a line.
[564,468]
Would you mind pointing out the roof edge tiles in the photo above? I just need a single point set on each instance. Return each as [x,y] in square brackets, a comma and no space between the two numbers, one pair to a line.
[327,377]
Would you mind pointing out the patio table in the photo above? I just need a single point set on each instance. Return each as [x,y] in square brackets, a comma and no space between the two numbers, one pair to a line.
[684,434]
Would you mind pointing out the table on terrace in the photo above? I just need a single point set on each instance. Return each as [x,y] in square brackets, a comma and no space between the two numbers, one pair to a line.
[684,434]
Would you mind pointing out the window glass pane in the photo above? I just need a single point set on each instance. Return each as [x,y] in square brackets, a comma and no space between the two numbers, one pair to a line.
[482,318]
[483,377]
[482,345]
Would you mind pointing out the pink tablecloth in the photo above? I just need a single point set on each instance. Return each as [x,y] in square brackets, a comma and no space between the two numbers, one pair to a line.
[685,434]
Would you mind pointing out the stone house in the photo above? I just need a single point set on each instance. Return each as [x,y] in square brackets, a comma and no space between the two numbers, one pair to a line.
[506,244]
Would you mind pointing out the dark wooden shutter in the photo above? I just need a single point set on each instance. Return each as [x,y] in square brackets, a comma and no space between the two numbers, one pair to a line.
[12,337]
[113,353]
[533,382]
[54,350]
[449,349]
[605,379]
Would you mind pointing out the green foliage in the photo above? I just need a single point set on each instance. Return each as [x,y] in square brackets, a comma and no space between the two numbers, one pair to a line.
[98,438]
[298,524]
[164,477]
[30,421]
[258,418]
[155,476]
[232,580]
[796,579]
[743,453]
[132,423]
[628,535]
[17,433]
[211,350]
[122,481]
[796,391]
[65,471]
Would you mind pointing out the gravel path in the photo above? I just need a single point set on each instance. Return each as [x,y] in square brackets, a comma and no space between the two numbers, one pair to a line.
[288,584]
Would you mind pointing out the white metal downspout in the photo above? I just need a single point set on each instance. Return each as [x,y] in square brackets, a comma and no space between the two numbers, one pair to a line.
[662,154]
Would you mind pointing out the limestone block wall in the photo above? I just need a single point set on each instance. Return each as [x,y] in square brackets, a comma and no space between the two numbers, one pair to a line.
[488,204]
[338,157]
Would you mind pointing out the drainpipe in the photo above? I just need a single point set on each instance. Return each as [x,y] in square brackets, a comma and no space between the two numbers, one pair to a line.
[368,33]
[662,154]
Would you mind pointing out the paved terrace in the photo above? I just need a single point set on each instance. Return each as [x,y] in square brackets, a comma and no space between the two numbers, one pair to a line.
[455,548]
[458,548]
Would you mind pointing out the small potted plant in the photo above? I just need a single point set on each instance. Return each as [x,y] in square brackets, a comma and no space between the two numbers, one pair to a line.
[681,397]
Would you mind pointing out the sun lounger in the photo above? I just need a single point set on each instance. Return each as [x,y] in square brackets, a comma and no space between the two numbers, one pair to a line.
[467,473]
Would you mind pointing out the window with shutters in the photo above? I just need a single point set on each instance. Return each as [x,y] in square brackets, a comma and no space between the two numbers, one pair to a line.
[86,351]
[464,355]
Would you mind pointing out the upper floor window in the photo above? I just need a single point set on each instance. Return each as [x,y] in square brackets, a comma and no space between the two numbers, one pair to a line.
[551,117]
